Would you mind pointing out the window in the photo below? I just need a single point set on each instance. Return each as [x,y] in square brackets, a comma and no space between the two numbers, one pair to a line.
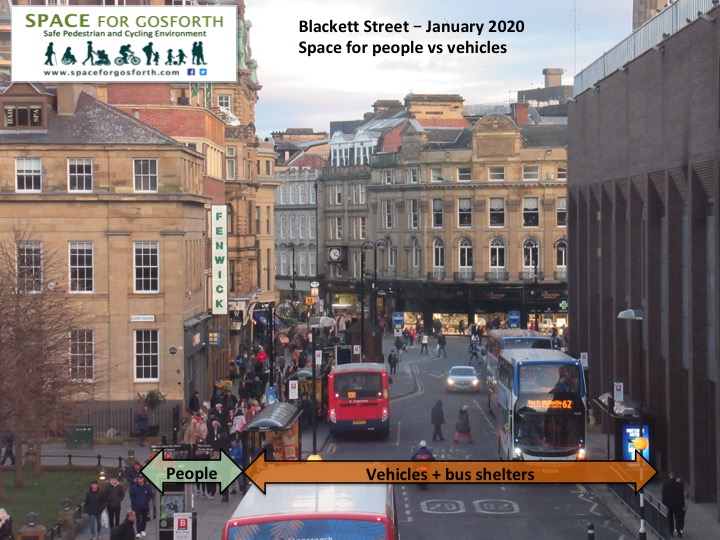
[388,212]
[283,227]
[231,164]
[302,193]
[29,266]
[257,220]
[466,257]
[224,100]
[497,212]
[496,173]
[302,263]
[413,209]
[497,253]
[388,177]
[358,194]
[231,275]
[437,213]
[267,167]
[561,253]
[268,219]
[335,270]
[531,172]
[336,228]
[392,259]
[146,175]
[531,253]
[147,261]
[293,227]
[561,211]
[313,195]
[355,264]
[438,255]
[338,195]
[302,226]
[413,176]
[81,266]
[562,173]
[80,174]
[359,227]
[311,264]
[464,174]
[531,212]
[464,213]
[416,258]
[283,263]
[22,116]
[311,227]
[82,355]
[436,174]
[147,355]
[28,174]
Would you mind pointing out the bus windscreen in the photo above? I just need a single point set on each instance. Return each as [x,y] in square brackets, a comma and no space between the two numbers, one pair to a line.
[526,343]
[358,385]
[347,529]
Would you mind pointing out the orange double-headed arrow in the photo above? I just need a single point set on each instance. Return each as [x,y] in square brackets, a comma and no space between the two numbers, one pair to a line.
[261,472]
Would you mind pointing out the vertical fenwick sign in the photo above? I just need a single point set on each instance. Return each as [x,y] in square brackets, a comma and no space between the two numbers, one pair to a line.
[218,236]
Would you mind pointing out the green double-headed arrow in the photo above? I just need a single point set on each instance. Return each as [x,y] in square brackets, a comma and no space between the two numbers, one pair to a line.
[160,470]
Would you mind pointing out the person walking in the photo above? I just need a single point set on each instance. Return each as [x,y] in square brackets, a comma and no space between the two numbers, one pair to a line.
[474,349]
[462,426]
[673,496]
[6,532]
[141,494]
[442,341]
[142,424]
[126,530]
[8,442]
[424,343]
[392,362]
[94,506]
[437,418]
[114,495]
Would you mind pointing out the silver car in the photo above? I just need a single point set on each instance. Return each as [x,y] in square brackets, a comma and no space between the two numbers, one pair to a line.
[463,378]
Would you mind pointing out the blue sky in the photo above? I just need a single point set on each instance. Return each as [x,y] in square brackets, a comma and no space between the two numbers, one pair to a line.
[302,91]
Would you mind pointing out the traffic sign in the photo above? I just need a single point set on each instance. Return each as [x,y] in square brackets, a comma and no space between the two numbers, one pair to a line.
[398,318]
[514,317]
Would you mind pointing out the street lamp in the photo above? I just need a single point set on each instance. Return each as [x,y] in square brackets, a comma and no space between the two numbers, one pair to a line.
[293,285]
[535,296]
[641,443]
[269,308]
[368,245]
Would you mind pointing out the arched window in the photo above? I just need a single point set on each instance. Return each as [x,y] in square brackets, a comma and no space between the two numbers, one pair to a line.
[497,253]
[466,258]
[561,253]
[531,253]
[416,258]
[230,219]
[438,259]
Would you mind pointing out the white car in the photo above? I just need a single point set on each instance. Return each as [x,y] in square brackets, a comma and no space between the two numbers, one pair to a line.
[462,379]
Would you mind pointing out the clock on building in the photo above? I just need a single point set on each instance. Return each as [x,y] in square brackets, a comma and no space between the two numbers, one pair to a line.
[335,254]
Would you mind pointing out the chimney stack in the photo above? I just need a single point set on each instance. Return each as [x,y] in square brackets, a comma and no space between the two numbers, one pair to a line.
[553,77]
[68,94]
[520,112]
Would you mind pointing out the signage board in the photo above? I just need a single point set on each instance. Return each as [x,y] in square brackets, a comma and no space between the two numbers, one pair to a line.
[584,359]
[398,318]
[218,234]
[314,284]
[514,317]
[618,394]
[182,526]
[172,351]
[293,389]
[142,318]
[630,432]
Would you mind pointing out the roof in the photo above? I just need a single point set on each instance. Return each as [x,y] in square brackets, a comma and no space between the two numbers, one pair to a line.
[273,417]
[308,499]
[548,355]
[552,136]
[513,332]
[93,123]
[358,366]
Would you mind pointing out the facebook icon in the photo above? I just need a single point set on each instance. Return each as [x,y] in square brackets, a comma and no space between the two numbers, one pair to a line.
[191,71]
[203,71]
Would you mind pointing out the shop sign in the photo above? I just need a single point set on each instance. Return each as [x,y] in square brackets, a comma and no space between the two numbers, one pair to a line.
[549,295]
[218,229]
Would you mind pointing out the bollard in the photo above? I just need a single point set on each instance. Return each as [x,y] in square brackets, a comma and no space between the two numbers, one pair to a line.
[642,535]
[69,459]
[591,531]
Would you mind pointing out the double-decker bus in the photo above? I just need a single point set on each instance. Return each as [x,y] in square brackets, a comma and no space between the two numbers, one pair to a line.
[542,405]
[347,511]
[499,340]
[358,398]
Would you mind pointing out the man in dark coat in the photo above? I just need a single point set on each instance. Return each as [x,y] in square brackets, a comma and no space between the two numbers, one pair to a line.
[141,495]
[673,496]
[114,495]
[94,506]
[437,418]
[126,530]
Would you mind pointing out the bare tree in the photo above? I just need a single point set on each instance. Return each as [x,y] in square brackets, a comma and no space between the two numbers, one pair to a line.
[37,383]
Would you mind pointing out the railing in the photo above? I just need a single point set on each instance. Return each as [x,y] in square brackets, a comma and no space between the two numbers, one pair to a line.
[437,273]
[561,275]
[497,275]
[464,274]
[120,419]
[655,512]
[529,275]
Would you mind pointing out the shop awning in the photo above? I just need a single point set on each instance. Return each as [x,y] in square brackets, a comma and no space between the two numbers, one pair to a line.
[262,318]
[278,416]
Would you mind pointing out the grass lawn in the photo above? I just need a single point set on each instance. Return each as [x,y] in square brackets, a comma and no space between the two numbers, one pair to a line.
[44,495]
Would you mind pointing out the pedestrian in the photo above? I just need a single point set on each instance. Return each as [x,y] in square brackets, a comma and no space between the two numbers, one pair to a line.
[393,362]
[424,344]
[462,427]
[6,532]
[399,344]
[194,404]
[474,349]
[142,424]
[141,494]
[114,495]
[8,442]
[437,418]
[442,341]
[94,506]
[673,496]
[461,327]
[124,531]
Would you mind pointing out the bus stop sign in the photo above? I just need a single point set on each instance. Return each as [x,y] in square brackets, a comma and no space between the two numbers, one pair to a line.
[398,318]
[514,318]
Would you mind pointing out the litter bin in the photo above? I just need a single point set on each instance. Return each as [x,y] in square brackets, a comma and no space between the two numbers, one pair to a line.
[79,436]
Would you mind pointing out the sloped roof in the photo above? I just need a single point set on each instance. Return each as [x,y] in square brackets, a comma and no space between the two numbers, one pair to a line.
[92,123]
[545,136]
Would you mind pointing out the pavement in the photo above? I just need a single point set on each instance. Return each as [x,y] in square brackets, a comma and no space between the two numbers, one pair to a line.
[701,520]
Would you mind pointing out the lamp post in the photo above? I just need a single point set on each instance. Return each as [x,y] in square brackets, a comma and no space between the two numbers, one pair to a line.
[293,285]
[641,443]
[313,393]
[535,295]
[362,304]
[368,245]
[269,308]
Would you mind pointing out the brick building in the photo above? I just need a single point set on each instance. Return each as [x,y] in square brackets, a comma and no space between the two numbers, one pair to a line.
[644,234]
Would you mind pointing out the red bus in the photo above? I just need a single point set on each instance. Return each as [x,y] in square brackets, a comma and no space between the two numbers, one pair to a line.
[358,398]
[347,511]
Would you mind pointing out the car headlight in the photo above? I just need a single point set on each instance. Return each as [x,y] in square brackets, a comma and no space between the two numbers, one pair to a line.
[580,455]
[450,382]
[475,382]
[518,453]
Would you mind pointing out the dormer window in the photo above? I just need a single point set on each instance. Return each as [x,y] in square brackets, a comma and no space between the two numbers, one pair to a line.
[18,116]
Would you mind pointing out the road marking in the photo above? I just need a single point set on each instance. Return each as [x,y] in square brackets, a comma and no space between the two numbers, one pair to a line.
[584,496]
[442,506]
[496,506]
[397,435]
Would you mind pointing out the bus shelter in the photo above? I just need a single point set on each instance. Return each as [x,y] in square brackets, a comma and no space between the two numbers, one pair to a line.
[277,423]
[305,383]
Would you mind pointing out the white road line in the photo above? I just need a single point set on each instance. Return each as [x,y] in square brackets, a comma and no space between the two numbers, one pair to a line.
[397,434]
